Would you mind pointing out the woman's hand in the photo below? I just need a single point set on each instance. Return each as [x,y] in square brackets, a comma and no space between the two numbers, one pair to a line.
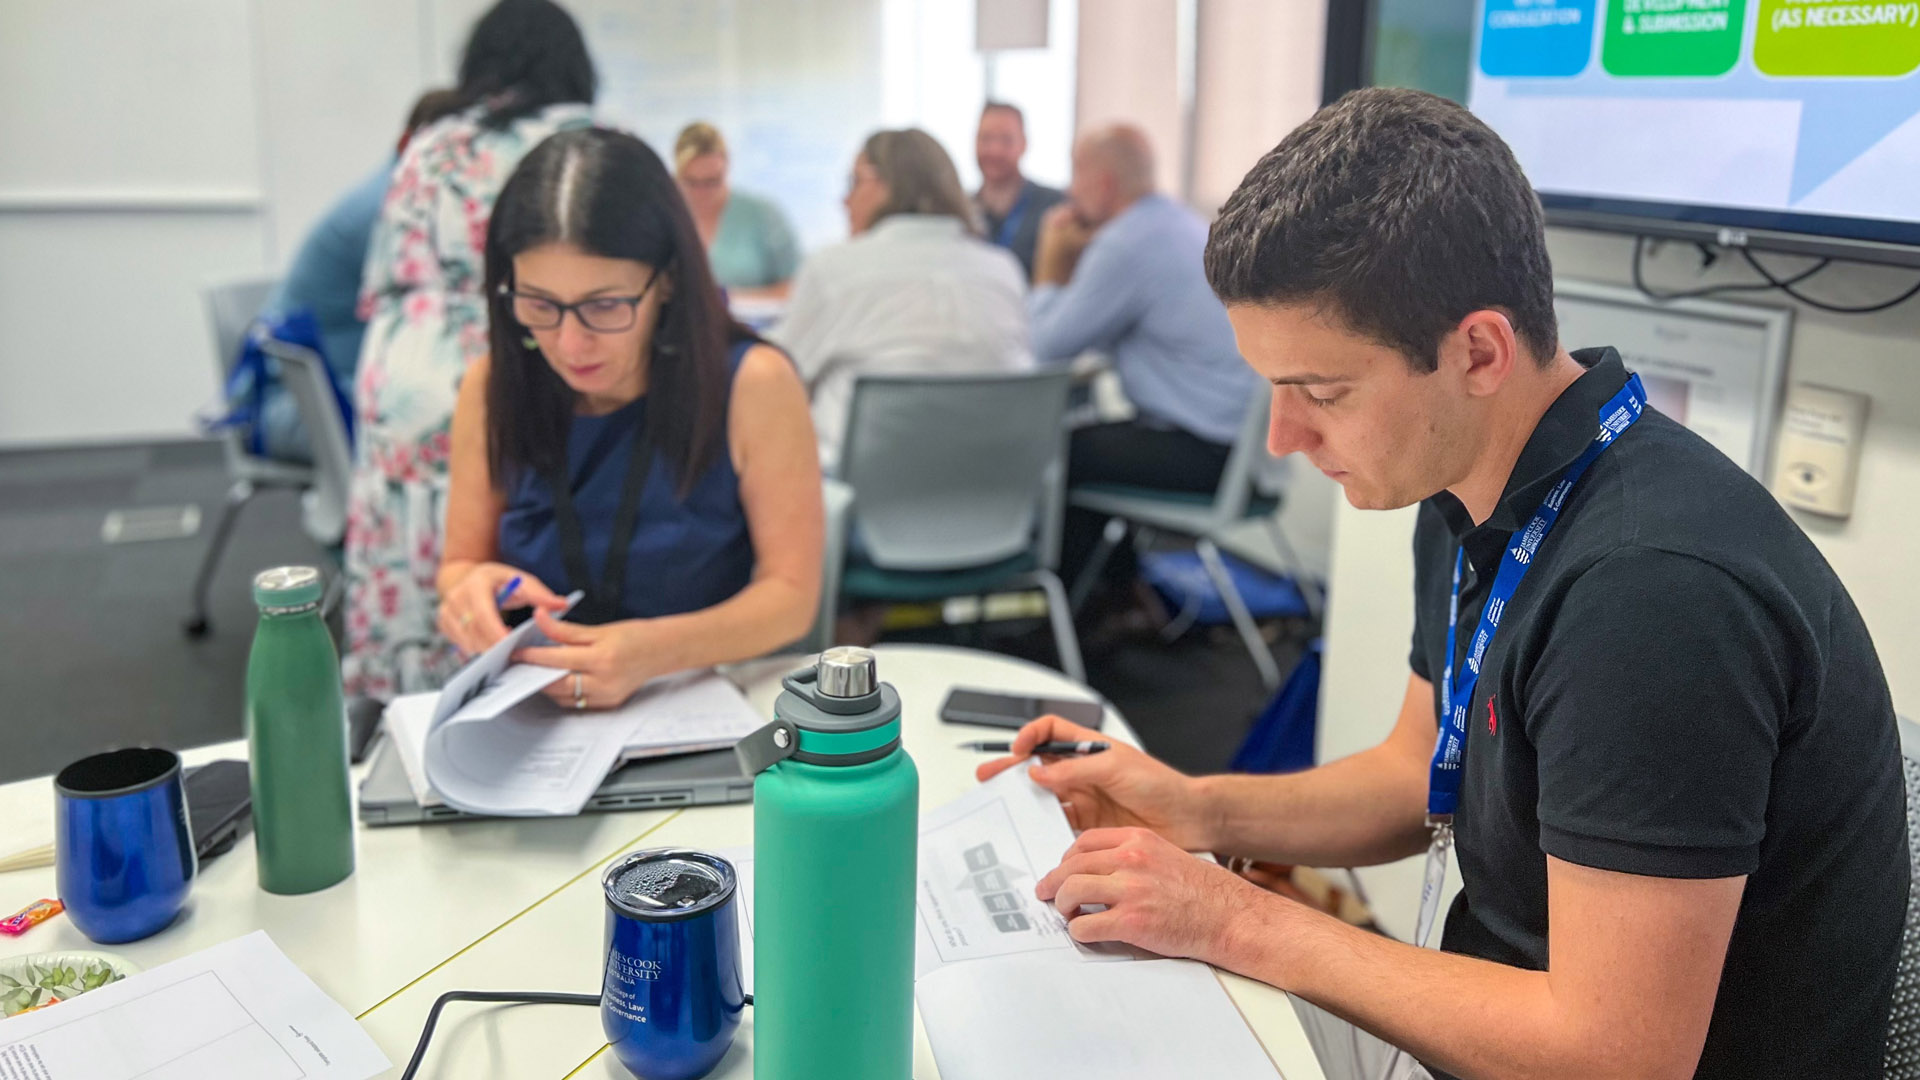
[468,615]
[608,662]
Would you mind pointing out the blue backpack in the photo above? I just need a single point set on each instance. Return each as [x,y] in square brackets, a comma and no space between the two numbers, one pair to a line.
[1282,738]
[254,373]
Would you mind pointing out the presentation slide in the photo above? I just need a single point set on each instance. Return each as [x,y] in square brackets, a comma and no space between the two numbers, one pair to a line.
[1796,106]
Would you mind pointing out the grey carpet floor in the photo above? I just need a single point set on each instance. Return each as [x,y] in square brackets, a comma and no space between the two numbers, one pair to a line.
[91,650]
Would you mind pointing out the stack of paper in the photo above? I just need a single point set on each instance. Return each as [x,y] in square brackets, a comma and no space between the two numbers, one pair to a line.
[491,743]
[1004,990]
[238,1011]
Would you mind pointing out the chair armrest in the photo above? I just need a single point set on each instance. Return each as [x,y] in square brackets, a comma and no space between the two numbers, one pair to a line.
[837,498]
[1053,510]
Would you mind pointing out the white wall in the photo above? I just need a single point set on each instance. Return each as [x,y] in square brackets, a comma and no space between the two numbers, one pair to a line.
[1130,70]
[1875,553]
[151,150]
[1257,77]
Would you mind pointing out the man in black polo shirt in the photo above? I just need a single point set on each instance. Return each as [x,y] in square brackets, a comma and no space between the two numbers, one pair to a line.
[1679,812]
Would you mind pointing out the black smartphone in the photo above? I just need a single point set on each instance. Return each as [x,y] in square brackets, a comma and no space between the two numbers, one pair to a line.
[219,806]
[992,709]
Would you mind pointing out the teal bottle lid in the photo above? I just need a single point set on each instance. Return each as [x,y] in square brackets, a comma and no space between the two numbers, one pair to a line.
[287,589]
[833,712]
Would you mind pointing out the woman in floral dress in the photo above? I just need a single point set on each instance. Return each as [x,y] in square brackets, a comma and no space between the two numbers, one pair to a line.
[525,75]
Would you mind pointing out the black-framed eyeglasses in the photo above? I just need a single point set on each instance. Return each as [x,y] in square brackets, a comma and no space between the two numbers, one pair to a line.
[599,314]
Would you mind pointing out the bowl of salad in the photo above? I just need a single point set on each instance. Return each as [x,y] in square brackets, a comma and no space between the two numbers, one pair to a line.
[42,979]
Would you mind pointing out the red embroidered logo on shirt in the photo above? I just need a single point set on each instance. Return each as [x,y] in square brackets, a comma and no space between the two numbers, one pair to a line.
[1493,722]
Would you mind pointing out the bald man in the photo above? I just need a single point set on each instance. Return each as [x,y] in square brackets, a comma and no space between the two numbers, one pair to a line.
[1119,271]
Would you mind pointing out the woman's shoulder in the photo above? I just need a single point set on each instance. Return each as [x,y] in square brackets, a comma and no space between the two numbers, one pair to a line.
[997,263]
[755,208]
[444,140]
[473,383]
[562,116]
[756,357]
[760,367]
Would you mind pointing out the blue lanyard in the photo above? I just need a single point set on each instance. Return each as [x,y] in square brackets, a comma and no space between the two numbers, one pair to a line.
[1449,751]
[1010,224]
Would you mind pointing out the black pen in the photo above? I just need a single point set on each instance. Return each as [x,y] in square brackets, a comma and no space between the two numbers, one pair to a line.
[1056,748]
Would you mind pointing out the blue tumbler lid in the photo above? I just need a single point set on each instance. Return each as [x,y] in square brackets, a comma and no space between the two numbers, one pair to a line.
[669,884]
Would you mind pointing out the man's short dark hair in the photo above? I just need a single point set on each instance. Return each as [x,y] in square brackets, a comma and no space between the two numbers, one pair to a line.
[1018,116]
[1400,212]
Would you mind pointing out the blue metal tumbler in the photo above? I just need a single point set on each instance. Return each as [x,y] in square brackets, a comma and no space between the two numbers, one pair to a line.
[672,996]
[123,850]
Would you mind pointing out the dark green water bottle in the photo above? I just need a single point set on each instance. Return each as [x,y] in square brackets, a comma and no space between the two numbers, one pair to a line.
[297,732]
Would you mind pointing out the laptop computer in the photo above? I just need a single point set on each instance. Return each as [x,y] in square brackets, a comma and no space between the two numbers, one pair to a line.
[703,779]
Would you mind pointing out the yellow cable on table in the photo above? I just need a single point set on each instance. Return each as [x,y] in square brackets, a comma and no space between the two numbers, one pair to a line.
[516,915]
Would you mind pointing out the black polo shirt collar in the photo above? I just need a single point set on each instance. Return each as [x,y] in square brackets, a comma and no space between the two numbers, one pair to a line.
[1563,432]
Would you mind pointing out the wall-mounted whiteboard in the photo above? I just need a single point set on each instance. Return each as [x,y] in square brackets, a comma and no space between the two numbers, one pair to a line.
[1715,367]
[102,100]
[796,86]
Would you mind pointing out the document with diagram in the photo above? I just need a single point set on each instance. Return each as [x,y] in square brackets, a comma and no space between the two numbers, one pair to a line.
[1004,990]
[238,1011]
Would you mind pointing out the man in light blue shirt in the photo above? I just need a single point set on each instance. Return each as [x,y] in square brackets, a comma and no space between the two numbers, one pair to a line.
[1119,271]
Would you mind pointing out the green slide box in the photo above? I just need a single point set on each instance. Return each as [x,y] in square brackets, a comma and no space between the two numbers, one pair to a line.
[1849,37]
[1666,38]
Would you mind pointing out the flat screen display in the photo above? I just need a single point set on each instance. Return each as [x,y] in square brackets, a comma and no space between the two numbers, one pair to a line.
[1696,117]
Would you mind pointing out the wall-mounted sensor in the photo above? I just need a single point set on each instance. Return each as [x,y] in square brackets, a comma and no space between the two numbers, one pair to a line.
[1819,455]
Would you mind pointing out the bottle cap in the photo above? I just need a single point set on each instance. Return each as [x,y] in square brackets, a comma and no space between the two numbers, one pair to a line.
[287,587]
[847,671]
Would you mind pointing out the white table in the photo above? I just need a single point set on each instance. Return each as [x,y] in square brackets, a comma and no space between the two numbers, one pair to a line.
[516,905]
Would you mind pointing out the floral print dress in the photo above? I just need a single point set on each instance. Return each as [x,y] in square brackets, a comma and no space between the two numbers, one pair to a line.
[427,320]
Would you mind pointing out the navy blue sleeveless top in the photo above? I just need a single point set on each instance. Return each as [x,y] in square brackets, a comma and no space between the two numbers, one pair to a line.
[687,554]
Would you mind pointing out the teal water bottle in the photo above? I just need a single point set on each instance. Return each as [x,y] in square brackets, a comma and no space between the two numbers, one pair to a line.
[297,735]
[835,835]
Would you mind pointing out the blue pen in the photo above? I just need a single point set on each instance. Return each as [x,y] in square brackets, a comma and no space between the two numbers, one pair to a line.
[506,594]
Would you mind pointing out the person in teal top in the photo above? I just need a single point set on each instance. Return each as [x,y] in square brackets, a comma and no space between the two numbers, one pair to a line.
[750,243]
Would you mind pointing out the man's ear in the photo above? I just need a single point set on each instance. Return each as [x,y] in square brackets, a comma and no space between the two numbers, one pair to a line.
[1486,350]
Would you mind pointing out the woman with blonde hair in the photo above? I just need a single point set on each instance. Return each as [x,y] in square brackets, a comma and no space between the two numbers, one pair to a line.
[915,290]
[749,241]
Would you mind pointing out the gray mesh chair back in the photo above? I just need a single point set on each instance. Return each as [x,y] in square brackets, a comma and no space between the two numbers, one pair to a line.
[305,375]
[949,471]
[1903,1026]
[231,307]
[837,499]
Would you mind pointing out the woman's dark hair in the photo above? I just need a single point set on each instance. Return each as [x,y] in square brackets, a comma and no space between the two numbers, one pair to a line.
[523,56]
[609,194]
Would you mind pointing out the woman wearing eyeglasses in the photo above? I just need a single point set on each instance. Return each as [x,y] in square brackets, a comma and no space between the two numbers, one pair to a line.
[623,438]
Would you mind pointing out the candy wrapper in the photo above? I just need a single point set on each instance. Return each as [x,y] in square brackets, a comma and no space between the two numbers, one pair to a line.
[30,916]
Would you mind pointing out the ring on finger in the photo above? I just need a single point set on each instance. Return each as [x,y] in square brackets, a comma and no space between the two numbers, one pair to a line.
[579,691]
[466,619]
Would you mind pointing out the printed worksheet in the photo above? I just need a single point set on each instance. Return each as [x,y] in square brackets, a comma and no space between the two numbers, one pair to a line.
[981,857]
[1003,990]
[238,1011]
